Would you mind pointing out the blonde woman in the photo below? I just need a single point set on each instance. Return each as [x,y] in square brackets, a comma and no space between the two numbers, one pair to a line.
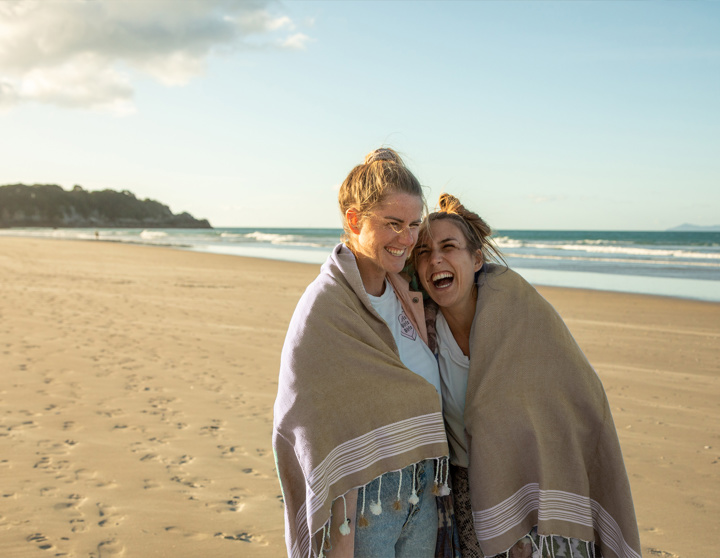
[358,433]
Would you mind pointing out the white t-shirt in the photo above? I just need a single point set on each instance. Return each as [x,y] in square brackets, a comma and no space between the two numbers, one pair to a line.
[454,368]
[414,353]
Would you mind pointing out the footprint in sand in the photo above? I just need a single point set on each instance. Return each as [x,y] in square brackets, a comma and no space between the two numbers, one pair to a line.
[109,516]
[232,452]
[244,537]
[191,482]
[55,448]
[73,501]
[194,535]
[214,428]
[69,425]
[182,460]
[110,547]
[48,490]
[254,473]
[111,413]
[40,540]
[78,525]
[150,484]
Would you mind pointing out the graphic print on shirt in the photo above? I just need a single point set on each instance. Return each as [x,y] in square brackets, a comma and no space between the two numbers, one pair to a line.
[406,327]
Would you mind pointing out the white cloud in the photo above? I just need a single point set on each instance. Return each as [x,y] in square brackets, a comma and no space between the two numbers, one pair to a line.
[296,41]
[79,53]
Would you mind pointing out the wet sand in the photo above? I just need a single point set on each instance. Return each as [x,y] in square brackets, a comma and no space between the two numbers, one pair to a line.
[138,383]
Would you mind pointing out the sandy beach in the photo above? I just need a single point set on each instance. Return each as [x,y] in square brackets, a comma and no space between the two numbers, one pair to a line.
[138,383]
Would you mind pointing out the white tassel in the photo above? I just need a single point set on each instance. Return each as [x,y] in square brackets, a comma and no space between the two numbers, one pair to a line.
[362,522]
[414,497]
[376,507]
[436,484]
[398,504]
[535,546]
[345,527]
[445,488]
[322,545]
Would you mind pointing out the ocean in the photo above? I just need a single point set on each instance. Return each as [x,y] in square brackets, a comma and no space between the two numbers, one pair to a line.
[677,264]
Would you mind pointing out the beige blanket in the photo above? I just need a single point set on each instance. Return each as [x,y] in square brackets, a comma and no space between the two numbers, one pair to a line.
[347,410]
[543,446]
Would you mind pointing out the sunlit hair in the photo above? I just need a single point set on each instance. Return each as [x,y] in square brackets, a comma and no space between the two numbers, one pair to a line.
[382,174]
[476,231]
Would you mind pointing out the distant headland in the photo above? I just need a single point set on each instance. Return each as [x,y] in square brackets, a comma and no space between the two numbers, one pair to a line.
[48,205]
[687,227]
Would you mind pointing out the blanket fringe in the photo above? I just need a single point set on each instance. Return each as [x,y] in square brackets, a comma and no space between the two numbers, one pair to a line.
[363,522]
[345,526]
[543,546]
[376,507]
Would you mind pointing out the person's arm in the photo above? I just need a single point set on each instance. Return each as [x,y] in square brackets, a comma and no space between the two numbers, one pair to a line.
[343,546]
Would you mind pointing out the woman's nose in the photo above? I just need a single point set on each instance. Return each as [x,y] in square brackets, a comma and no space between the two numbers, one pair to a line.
[408,236]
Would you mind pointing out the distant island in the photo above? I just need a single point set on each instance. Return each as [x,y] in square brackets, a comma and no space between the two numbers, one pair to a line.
[687,227]
[48,205]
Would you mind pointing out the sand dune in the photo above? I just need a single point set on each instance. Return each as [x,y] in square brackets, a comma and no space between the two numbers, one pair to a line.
[138,382]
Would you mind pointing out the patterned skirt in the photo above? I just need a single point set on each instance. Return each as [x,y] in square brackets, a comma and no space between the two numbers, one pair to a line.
[526,547]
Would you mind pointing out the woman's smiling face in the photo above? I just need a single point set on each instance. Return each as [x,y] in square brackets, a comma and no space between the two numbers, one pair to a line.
[385,237]
[445,266]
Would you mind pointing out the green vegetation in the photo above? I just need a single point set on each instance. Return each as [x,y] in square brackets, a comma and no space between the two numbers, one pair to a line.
[48,205]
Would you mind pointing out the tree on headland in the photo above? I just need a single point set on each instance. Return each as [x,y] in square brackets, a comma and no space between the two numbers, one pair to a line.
[48,205]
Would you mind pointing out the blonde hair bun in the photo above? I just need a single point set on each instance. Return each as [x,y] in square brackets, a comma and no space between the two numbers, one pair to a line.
[382,154]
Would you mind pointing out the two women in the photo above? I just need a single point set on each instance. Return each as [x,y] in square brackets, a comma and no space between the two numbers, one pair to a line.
[358,434]
[536,464]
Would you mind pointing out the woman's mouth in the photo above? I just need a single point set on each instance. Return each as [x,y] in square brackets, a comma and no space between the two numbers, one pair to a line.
[395,251]
[442,279]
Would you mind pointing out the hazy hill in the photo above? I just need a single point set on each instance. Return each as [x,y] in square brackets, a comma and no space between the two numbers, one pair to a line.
[48,205]
[698,228]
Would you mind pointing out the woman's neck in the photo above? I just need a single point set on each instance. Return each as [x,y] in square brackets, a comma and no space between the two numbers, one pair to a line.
[373,276]
[460,319]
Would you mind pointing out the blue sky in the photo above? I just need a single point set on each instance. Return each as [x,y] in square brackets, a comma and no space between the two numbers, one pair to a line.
[537,114]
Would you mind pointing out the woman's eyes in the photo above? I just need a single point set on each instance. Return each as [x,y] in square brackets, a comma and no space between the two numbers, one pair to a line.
[398,227]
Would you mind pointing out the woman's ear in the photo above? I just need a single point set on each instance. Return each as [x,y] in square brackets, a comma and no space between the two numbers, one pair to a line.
[352,218]
[479,259]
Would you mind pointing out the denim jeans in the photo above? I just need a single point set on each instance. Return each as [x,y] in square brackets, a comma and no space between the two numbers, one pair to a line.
[410,532]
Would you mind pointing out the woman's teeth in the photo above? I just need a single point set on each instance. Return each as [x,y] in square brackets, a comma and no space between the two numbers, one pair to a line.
[442,280]
[395,252]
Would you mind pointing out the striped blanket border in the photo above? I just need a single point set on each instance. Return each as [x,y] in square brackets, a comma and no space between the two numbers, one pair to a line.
[358,454]
[551,505]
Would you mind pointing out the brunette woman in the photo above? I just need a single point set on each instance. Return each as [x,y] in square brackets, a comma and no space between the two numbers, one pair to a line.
[536,465]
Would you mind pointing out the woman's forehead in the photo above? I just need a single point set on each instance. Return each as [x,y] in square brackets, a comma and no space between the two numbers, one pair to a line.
[442,229]
[400,206]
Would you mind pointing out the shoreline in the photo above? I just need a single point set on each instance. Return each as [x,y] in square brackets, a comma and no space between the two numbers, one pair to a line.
[679,288]
[139,384]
